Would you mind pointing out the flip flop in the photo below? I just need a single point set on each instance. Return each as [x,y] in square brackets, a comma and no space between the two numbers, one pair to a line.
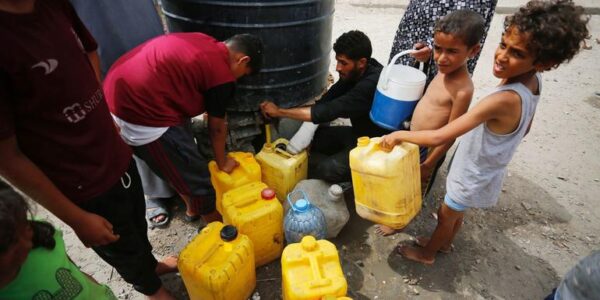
[191,218]
[156,207]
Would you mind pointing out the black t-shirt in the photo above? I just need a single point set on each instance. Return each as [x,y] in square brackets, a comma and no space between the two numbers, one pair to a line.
[351,100]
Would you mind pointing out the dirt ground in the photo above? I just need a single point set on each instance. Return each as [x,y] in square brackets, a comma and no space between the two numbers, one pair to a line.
[547,218]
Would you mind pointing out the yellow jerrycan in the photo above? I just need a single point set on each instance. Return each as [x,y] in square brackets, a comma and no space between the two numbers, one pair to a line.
[281,170]
[218,264]
[254,210]
[248,171]
[387,183]
[311,270]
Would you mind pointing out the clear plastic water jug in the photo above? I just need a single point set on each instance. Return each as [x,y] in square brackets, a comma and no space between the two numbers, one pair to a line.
[303,219]
[329,199]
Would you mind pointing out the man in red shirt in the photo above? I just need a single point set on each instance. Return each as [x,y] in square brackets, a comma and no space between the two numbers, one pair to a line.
[156,88]
[58,143]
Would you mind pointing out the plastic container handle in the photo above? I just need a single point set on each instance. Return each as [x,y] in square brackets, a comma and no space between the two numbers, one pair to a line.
[289,198]
[283,153]
[318,279]
[379,146]
[393,62]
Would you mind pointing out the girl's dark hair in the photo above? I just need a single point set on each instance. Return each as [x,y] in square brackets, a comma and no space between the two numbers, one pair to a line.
[13,215]
[353,44]
[556,29]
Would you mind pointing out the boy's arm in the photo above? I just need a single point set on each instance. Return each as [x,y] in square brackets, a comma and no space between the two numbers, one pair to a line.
[460,105]
[16,168]
[215,101]
[491,107]
[217,129]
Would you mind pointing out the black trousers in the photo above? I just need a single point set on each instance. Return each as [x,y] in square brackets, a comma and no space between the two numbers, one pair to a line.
[174,157]
[329,158]
[131,255]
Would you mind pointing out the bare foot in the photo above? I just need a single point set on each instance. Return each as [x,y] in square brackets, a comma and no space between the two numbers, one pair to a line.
[414,254]
[167,265]
[385,230]
[161,294]
[422,241]
[212,217]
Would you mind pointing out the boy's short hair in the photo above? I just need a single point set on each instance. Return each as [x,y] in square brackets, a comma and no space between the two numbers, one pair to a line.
[354,45]
[556,29]
[250,45]
[464,24]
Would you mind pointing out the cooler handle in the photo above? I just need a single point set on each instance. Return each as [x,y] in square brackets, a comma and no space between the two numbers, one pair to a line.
[393,62]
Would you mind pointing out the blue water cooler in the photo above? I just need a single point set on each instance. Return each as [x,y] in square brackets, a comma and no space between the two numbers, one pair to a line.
[398,91]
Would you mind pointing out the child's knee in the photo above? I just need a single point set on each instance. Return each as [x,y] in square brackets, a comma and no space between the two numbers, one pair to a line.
[449,215]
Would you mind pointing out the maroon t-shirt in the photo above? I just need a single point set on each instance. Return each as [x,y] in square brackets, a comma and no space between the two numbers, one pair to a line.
[51,101]
[169,79]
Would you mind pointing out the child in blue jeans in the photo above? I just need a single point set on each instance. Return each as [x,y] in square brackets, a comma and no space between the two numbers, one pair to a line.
[539,37]
[33,259]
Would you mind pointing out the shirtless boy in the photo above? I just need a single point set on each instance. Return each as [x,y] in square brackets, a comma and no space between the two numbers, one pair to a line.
[456,40]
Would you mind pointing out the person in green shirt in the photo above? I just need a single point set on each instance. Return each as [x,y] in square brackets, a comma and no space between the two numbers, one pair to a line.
[34,261]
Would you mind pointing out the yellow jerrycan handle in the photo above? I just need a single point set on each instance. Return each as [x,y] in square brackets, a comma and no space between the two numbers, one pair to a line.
[378,146]
[268,144]
[309,243]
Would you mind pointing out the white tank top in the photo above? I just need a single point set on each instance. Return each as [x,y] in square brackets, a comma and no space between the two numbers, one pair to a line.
[479,165]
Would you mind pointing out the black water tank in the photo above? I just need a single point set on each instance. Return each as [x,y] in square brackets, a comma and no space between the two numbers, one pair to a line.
[296,35]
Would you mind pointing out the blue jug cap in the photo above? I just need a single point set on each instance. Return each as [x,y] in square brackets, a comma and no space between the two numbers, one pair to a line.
[301,205]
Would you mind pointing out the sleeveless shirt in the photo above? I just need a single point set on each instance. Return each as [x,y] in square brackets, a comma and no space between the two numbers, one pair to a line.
[479,166]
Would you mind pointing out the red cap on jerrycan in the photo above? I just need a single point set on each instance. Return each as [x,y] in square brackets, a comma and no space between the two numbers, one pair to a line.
[268,194]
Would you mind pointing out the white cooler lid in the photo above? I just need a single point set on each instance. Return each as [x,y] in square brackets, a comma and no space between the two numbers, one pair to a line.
[406,75]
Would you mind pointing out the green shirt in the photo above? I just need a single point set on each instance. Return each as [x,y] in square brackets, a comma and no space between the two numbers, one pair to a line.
[50,274]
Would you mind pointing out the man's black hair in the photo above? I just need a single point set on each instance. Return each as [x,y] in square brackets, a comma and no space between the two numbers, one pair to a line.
[466,25]
[354,45]
[250,45]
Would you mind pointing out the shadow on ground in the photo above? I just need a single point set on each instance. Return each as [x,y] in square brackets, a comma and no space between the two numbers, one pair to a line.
[485,260]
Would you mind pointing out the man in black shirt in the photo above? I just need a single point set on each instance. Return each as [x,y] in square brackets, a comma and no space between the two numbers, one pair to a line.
[350,97]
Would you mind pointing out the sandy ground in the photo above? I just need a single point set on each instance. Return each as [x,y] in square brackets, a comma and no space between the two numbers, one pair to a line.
[547,218]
